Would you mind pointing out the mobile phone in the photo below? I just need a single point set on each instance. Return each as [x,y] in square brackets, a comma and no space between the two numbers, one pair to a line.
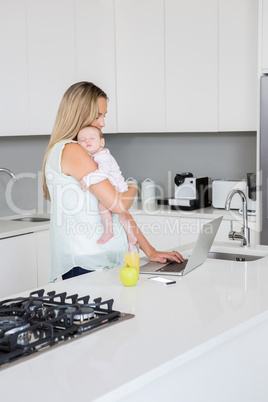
[161,281]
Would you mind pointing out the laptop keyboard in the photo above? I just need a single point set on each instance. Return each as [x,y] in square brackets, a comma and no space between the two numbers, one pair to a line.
[173,266]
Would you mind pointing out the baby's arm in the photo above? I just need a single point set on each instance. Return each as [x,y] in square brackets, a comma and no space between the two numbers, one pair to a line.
[98,175]
[92,178]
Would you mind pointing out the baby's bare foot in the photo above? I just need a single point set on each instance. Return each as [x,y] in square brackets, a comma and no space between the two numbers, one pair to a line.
[105,237]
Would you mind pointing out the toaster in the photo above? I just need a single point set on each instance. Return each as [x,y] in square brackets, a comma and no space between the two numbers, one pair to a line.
[221,189]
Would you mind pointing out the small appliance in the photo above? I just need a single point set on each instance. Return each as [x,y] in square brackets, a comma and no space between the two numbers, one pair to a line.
[148,194]
[190,192]
[221,189]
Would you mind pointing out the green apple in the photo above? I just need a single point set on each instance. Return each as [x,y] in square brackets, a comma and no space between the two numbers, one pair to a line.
[129,275]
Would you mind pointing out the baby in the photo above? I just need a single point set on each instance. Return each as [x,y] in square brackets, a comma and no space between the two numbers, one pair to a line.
[91,139]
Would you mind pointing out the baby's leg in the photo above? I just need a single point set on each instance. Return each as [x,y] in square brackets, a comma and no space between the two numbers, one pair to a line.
[107,220]
[125,220]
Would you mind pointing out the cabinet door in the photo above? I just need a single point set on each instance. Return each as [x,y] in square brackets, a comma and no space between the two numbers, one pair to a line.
[51,55]
[42,244]
[264,41]
[95,50]
[191,49]
[18,264]
[238,58]
[190,228]
[14,107]
[140,65]
[162,232]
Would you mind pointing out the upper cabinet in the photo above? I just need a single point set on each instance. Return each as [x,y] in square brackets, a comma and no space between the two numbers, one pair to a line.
[166,65]
[238,62]
[191,55]
[95,50]
[51,59]
[14,97]
[140,65]
[186,66]
[264,36]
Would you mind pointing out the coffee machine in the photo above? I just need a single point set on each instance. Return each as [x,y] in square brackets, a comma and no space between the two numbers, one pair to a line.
[190,192]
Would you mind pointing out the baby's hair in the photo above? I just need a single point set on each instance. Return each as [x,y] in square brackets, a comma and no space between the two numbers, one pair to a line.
[99,130]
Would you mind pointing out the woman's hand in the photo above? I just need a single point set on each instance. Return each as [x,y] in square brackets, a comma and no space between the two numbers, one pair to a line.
[161,256]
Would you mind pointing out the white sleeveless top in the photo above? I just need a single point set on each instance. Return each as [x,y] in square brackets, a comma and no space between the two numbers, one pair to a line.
[76,224]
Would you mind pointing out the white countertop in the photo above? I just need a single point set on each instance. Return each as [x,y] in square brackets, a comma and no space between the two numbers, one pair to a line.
[202,318]
[204,213]
[9,228]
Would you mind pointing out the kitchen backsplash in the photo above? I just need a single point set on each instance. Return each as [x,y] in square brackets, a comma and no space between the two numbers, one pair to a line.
[159,156]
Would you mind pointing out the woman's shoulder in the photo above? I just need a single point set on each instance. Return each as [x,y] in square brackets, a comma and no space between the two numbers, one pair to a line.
[65,143]
[71,145]
[75,161]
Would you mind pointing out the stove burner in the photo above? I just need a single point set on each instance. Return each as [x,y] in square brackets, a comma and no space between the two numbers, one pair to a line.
[10,325]
[29,324]
[84,314]
[24,338]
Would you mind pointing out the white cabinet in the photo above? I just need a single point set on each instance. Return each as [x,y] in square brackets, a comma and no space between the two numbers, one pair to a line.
[264,35]
[42,247]
[18,264]
[166,65]
[95,50]
[14,106]
[37,63]
[24,262]
[238,56]
[186,66]
[167,232]
[51,58]
[191,52]
[140,65]
[162,232]
[190,227]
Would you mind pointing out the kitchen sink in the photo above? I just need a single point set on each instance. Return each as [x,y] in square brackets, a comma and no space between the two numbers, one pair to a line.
[233,256]
[31,219]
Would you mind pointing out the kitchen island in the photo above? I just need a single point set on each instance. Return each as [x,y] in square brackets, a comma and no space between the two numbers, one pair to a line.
[203,339]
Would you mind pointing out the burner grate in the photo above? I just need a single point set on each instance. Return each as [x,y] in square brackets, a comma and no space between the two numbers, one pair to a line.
[29,324]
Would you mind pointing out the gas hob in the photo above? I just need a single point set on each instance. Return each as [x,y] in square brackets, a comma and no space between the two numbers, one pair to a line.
[39,321]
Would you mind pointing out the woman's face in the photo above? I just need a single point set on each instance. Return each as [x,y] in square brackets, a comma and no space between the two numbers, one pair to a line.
[102,107]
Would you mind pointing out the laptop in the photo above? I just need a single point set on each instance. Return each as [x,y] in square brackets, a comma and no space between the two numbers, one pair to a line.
[197,257]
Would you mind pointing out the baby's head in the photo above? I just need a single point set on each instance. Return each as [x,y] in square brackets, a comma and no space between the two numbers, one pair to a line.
[91,139]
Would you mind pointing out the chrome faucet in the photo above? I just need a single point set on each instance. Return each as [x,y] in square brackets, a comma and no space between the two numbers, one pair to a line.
[9,172]
[244,235]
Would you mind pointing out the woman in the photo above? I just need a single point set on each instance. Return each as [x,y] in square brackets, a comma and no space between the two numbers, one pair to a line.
[75,224]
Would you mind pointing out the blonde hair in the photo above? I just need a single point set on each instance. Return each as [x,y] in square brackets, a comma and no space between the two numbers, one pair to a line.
[78,109]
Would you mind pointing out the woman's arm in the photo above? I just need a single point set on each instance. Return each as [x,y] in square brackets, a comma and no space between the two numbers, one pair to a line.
[76,162]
